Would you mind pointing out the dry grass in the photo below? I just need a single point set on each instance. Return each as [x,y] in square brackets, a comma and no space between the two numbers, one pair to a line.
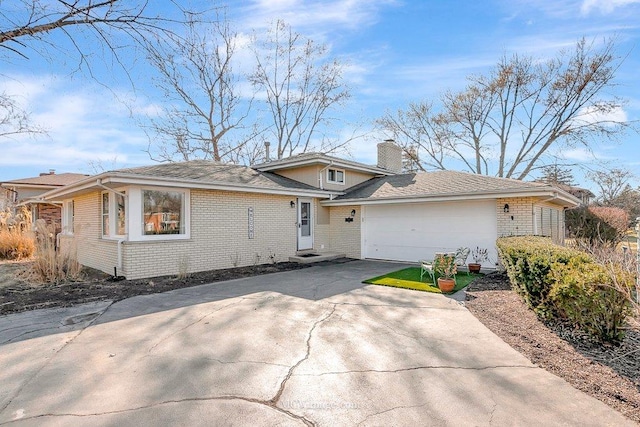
[51,265]
[16,240]
[16,244]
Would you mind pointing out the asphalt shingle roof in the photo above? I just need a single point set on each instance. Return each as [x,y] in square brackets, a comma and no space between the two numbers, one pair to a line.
[57,179]
[442,183]
[209,172]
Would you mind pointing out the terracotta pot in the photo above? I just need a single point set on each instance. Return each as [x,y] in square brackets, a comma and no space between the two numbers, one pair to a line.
[446,285]
[474,268]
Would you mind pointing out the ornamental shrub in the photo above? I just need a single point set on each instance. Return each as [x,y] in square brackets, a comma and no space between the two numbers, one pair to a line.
[558,282]
[528,261]
[589,297]
[597,224]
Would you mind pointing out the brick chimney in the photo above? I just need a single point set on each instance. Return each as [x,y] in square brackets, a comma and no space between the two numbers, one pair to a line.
[390,156]
[267,155]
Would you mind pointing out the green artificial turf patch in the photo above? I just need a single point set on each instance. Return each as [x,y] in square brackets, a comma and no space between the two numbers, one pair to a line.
[409,278]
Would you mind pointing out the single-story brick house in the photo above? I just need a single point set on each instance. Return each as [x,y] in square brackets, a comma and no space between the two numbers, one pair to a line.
[26,192]
[193,216]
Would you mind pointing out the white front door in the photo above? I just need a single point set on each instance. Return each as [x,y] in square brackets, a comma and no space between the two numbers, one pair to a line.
[305,224]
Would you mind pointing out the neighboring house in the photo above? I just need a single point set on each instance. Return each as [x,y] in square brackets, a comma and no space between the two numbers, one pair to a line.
[27,192]
[201,215]
[582,194]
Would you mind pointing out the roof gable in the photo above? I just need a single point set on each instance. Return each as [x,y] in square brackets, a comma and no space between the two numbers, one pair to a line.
[306,159]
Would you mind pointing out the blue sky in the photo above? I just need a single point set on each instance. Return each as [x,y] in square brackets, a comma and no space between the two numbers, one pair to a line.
[396,51]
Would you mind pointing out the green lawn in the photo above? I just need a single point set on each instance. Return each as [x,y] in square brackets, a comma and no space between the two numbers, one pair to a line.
[409,278]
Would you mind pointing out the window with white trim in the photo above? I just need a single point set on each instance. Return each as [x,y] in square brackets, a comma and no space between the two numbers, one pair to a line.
[163,212]
[68,217]
[335,176]
[114,214]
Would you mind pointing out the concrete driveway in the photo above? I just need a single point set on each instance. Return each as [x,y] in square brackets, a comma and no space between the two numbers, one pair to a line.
[313,346]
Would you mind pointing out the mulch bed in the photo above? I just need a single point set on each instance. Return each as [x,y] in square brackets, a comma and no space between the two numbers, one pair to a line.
[98,286]
[608,373]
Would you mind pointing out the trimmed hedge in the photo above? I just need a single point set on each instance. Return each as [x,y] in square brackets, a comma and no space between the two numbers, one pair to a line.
[558,282]
[585,295]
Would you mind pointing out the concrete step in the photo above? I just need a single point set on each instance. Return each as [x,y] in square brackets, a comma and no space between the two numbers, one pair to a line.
[308,257]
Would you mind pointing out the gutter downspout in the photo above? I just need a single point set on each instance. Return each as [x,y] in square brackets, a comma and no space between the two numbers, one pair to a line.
[99,184]
[320,173]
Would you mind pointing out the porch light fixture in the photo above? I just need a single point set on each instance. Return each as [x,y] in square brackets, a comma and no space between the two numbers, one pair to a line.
[292,203]
[506,208]
[353,213]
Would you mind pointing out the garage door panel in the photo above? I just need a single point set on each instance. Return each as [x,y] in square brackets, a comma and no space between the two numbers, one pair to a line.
[409,232]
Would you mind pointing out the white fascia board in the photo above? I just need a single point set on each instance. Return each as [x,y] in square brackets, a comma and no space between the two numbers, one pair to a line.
[129,179]
[553,195]
[38,201]
[85,184]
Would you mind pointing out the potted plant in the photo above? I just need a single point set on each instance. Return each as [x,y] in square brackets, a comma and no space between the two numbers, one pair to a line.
[445,267]
[479,255]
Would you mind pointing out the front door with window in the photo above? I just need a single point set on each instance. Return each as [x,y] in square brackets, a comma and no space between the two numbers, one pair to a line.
[305,224]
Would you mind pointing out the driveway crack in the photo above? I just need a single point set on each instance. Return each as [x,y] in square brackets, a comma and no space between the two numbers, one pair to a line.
[168,402]
[198,320]
[416,368]
[274,399]
[44,365]
[22,334]
[391,409]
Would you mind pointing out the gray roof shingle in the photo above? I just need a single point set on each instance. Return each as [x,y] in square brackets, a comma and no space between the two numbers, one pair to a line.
[439,183]
[54,179]
[209,172]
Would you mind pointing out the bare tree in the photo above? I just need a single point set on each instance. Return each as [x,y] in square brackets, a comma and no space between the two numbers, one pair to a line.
[14,120]
[202,101]
[611,183]
[27,23]
[300,86]
[514,115]
[424,135]
[27,26]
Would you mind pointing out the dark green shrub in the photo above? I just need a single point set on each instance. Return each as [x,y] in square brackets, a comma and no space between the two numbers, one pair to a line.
[588,296]
[528,261]
[558,282]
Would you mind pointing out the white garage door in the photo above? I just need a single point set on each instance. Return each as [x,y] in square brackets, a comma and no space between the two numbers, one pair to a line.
[414,231]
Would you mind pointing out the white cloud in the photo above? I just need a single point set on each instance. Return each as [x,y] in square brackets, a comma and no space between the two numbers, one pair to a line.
[84,123]
[594,115]
[318,15]
[604,6]
[577,155]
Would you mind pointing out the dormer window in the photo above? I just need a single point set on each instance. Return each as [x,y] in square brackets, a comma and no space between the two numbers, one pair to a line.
[335,176]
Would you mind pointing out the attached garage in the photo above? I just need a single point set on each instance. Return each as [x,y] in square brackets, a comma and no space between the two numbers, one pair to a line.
[413,231]
[408,217]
